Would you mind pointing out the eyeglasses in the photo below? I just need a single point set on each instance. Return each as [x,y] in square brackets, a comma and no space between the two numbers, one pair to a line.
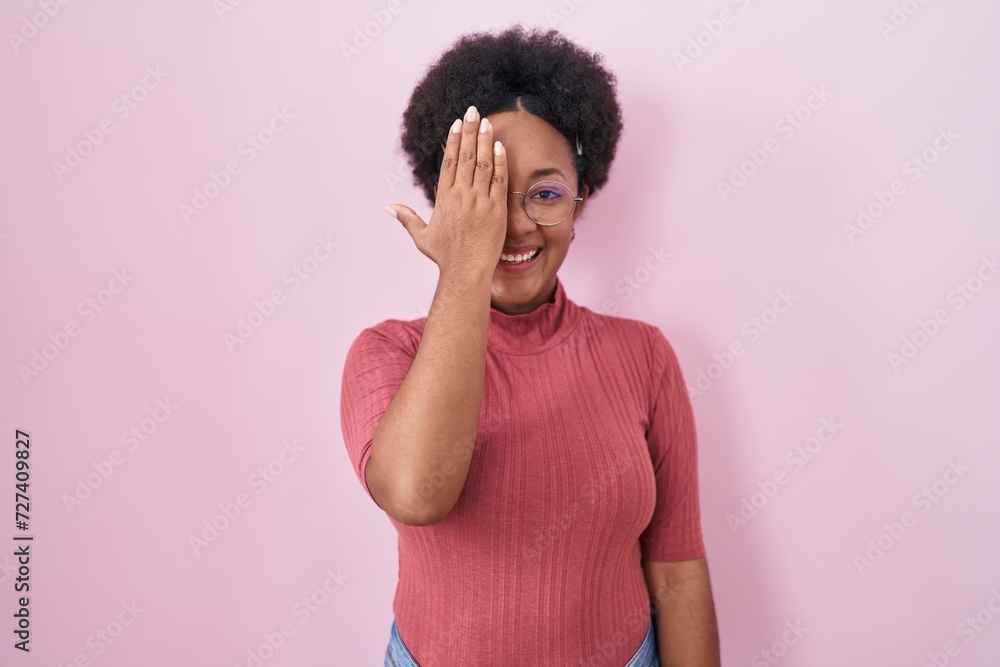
[548,203]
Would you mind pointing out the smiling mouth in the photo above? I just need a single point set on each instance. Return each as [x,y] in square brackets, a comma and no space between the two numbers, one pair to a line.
[520,258]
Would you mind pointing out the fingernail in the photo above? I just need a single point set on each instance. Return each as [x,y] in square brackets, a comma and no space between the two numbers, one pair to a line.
[497,148]
[456,127]
[483,126]
[470,115]
[391,211]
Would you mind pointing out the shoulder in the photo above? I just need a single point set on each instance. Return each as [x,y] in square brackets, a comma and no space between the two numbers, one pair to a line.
[640,337]
[641,345]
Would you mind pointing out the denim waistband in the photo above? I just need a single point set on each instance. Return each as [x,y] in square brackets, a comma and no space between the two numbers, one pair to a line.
[646,655]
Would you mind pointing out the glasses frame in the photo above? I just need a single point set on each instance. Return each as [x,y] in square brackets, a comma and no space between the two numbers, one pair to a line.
[524,202]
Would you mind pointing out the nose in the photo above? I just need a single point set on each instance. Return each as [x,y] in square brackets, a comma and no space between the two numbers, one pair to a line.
[518,222]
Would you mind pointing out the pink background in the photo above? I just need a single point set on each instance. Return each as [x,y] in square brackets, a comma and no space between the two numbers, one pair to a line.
[320,183]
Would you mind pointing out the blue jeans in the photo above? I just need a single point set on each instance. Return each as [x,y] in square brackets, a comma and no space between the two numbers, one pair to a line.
[397,655]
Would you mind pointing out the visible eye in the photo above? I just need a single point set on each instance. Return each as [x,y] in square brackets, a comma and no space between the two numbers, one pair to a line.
[547,194]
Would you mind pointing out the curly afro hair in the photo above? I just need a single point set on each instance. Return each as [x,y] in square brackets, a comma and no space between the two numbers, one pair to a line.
[542,72]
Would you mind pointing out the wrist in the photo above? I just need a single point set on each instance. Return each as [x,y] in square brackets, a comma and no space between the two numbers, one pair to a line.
[466,280]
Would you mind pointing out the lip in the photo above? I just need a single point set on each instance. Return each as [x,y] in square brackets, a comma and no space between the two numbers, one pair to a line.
[525,266]
[518,249]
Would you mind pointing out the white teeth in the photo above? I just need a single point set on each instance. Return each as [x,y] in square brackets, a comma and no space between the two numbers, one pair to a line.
[520,257]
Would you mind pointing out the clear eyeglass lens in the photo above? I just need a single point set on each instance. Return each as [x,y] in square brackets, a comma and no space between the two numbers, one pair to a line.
[548,202]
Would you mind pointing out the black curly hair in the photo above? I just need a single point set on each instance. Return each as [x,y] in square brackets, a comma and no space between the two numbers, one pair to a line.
[542,72]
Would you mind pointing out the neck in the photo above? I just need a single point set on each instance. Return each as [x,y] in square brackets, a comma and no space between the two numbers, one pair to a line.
[548,295]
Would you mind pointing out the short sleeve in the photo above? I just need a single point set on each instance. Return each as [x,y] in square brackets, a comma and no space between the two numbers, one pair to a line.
[376,364]
[674,532]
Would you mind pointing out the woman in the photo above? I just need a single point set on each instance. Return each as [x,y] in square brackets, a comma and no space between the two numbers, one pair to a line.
[537,459]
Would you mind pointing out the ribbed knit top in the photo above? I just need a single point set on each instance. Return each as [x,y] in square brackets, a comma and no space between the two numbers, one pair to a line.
[584,464]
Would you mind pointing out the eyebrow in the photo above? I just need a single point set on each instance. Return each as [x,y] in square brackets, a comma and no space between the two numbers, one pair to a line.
[548,171]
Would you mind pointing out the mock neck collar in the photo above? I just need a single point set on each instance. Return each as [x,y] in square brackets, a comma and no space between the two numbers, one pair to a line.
[529,333]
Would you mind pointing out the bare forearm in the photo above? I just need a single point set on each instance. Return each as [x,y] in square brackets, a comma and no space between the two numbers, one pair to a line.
[687,633]
[423,444]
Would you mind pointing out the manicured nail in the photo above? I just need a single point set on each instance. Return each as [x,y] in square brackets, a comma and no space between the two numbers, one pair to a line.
[456,127]
[483,126]
[392,212]
[497,148]
[470,115]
